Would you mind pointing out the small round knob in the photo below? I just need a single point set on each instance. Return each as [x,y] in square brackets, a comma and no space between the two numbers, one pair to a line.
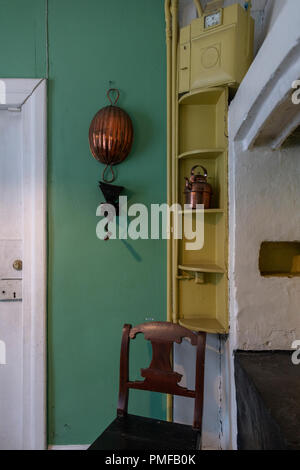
[18,265]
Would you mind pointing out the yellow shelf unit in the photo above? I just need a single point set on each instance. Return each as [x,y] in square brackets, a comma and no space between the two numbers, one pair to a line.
[200,278]
[216,48]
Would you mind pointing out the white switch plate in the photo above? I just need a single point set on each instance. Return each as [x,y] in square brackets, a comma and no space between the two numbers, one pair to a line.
[10,289]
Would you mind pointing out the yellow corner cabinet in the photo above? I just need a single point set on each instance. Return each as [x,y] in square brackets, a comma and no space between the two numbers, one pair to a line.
[206,60]
[200,278]
[216,48]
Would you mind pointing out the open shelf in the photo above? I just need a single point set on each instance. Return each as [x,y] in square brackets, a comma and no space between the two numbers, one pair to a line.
[214,250]
[202,96]
[280,259]
[207,300]
[200,278]
[203,268]
[209,325]
[201,123]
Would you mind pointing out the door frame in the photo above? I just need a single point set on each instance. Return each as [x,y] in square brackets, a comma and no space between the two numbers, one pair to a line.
[29,96]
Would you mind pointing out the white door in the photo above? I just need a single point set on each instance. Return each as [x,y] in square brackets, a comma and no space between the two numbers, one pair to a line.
[11,318]
[22,263]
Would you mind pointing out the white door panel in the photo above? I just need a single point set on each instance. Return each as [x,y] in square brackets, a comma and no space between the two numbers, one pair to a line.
[10,175]
[11,376]
[11,311]
[23,149]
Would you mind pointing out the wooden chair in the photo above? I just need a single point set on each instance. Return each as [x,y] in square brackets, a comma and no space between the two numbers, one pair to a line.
[139,433]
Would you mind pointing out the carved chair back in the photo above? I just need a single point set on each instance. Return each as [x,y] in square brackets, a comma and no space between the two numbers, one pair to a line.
[159,376]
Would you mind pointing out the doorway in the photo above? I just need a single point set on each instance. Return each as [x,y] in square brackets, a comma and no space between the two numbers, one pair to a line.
[23,264]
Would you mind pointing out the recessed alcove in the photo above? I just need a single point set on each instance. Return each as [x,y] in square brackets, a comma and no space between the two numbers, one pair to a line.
[279,259]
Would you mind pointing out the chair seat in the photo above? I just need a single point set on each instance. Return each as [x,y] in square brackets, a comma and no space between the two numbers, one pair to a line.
[138,433]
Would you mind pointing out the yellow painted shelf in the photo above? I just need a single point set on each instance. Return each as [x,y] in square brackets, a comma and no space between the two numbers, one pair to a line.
[209,325]
[202,96]
[200,211]
[202,140]
[204,154]
[202,268]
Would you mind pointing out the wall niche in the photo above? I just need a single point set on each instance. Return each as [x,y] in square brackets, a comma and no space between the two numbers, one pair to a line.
[279,259]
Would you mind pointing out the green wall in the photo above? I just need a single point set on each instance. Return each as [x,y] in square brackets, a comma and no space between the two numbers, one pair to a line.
[94,286]
[22,39]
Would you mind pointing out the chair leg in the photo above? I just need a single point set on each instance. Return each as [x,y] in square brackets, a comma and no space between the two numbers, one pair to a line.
[199,442]
[124,372]
[123,401]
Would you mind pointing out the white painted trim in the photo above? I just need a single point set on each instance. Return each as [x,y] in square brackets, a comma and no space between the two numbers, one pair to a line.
[14,91]
[34,113]
[30,95]
[70,447]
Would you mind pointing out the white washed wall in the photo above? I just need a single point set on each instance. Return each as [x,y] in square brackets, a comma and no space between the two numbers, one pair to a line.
[264,192]
[267,208]
[264,196]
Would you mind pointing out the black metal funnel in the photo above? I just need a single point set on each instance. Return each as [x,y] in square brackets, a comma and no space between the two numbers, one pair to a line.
[111,194]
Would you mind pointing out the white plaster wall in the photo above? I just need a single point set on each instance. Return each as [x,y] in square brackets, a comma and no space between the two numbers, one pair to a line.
[187,12]
[265,313]
[264,191]
[273,9]
[264,197]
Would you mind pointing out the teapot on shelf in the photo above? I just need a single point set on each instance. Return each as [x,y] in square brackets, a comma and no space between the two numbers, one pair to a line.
[197,189]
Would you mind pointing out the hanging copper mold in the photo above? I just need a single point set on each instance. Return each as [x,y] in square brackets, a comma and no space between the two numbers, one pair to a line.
[110,138]
[111,135]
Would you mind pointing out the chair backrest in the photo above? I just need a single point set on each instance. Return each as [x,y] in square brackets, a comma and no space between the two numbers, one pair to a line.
[159,376]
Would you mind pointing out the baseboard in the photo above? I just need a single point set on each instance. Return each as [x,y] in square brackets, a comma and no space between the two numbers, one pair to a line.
[68,447]
[85,447]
